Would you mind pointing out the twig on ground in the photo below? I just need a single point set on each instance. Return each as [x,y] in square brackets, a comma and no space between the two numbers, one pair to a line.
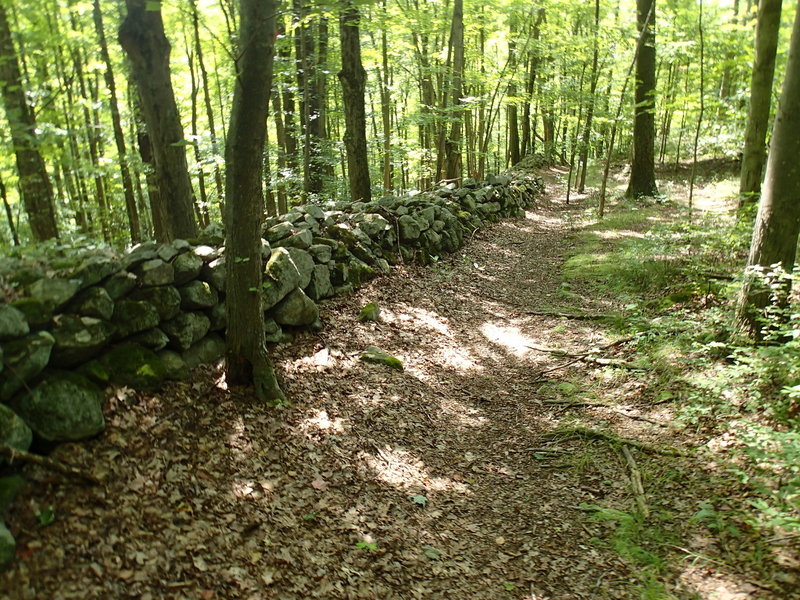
[583,404]
[13,454]
[594,434]
[566,315]
[636,482]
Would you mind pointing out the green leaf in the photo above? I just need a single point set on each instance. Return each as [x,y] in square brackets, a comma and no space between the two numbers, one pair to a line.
[419,500]
[431,552]
[509,587]
[310,516]
[366,546]
[46,516]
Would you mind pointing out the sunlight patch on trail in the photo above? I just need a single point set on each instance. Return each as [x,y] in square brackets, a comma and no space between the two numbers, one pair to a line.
[511,338]
[322,422]
[402,469]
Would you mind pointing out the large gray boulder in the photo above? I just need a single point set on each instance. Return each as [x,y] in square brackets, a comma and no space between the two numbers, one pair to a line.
[409,228]
[198,295]
[164,298]
[304,263]
[374,225]
[135,366]
[187,266]
[78,339]
[8,547]
[95,269]
[282,277]
[14,431]
[215,273]
[301,239]
[186,329]
[24,359]
[133,316]
[320,285]
[54,293]
[206,351]
[37,314]
[120,284]
[154,339]
[64,407]
[155,272]
[297,310]
[13,323]
[93,302]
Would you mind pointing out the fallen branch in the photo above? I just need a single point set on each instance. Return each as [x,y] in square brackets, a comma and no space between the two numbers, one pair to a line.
[594,434]
[13,454]
[636,482]
[565,315]
[584,404]
[589,355]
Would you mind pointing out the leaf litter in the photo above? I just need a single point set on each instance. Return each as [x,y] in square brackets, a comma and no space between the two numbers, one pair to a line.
[373,483]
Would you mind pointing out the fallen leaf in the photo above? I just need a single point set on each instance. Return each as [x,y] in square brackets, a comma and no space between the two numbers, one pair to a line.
[319,484]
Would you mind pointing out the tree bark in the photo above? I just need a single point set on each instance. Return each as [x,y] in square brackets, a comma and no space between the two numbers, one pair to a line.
[643,178]
[353,78]
[246,359]
[755,153]
[583,160]
[778,221]
[453,142]
[116,123]
[142,37]
[34,184]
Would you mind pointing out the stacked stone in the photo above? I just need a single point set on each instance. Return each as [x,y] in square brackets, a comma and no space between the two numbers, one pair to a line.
[159,310]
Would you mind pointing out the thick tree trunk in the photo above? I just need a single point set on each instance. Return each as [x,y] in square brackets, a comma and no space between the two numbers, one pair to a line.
[353,78]
[643,178]
[755,153]
[116,122]
[778,222]
[453,142]
[142,37]
[34,184]
[246,360]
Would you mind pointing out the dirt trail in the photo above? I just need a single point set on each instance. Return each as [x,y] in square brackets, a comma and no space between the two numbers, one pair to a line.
[430,483]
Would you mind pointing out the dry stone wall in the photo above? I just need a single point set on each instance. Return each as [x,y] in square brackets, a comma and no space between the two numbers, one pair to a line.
[75,325]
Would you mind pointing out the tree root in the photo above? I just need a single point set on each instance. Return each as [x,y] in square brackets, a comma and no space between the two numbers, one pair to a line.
[594,434]
[13,454]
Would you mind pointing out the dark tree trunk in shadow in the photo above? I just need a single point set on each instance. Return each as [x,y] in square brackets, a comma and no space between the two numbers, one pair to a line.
[142,37]
[246,359]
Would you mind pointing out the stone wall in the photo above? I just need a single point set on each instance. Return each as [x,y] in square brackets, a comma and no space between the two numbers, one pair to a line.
[77,324]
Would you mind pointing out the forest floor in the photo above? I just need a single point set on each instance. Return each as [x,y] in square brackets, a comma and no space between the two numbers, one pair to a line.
[472,474]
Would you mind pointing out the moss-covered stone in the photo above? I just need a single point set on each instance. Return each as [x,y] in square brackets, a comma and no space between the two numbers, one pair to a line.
[14,432]
[36,313]
[63,407]
[10,487]
[93,302]
[165,298]
[186,329]
[373,354]
[135,366]
[25,359]
[13,323]
[54,293]
[187,266]
[155,272]
[296,310]
[120,284]
[95,269]
[8,546]
[371,312]
[78,339]
[133,316]
[96,372]
[208,350]
[198,295]
[154,338]
[174,364]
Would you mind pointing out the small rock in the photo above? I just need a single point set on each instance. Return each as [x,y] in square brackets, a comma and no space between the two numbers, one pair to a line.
[25,359]
[133,316]
[8,546]
[198,295]
[155,272]
[371,312]
[13,323]
[135,366]
[186,266]
[164,298]
[54,293]
[373,354]
[296,310]
[14,431]
[186,329]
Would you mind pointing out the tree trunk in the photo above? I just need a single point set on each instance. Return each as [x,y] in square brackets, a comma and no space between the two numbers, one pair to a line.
[778,222]
[386,108]
[755,153]
[116,122]
[583,160]
[34,184]
[643,178]
[246,359]
[353,78]
[142,37]
[453,143]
